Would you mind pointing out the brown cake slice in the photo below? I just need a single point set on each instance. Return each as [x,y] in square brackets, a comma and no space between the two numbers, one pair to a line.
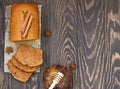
[23,67]
[17,73]
[30,56]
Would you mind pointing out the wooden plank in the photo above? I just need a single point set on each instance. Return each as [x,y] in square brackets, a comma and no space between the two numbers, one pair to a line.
[1,46]
[8,82]
[63,42]
[113,42]
[91,44]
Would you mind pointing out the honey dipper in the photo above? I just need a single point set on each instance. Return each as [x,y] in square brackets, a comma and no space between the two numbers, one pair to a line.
[56,79]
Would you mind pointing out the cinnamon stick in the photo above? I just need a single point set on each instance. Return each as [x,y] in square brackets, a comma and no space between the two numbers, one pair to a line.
[24,24]
[28,25]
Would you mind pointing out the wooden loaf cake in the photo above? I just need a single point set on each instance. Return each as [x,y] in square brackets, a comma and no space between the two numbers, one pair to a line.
[24,22]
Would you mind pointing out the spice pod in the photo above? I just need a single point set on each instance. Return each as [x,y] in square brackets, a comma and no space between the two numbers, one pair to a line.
[51,72]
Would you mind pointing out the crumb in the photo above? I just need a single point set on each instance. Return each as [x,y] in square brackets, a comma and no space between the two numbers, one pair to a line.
[47,33]
[9,49]
[72,66]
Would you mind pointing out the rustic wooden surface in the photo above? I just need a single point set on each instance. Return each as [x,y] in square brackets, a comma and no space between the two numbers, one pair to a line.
[84,31]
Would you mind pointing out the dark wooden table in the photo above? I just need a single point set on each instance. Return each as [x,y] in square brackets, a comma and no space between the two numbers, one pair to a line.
[86,32]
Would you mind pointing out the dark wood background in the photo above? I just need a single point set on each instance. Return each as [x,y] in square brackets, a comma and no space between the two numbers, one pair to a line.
[86,32]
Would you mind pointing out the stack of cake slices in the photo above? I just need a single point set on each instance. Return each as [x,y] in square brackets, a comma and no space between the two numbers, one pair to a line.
[25,62]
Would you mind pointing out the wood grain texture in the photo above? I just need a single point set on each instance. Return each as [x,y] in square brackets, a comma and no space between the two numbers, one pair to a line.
[91,51]
[86,32]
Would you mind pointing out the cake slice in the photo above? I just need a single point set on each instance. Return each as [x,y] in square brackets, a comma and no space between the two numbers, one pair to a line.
[23,67]
[17,73]
[29,56]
